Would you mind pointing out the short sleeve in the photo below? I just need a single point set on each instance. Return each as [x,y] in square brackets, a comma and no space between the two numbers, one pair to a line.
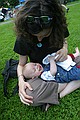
[21,47]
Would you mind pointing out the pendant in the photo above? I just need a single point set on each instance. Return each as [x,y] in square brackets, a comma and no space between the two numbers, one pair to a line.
[39,44]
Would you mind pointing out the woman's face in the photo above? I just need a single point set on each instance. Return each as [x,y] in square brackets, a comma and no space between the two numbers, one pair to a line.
[38,26]
[43,33]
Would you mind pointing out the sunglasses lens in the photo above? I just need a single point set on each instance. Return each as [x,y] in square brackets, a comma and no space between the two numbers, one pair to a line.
[45,19]
[36,24]
[30,19]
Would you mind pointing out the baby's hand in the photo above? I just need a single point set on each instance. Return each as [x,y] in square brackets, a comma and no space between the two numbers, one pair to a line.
[51,58]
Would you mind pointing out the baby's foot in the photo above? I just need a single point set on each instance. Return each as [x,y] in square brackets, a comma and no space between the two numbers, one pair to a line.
[77,53]
[47,106]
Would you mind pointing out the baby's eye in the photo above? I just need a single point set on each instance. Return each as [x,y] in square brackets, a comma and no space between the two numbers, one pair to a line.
[35,64]
[34,70]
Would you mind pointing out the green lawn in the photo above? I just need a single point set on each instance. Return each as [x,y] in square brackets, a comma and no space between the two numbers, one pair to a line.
[13,109]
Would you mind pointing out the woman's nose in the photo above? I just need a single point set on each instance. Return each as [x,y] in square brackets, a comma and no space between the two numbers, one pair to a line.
[37,21]
[40,38]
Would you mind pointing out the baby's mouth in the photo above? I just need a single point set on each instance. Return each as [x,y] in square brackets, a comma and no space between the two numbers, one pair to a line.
[39,68]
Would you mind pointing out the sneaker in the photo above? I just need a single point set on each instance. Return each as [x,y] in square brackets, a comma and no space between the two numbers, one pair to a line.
[67,10]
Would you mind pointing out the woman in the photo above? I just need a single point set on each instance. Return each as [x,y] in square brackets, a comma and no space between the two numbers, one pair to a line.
[41,29]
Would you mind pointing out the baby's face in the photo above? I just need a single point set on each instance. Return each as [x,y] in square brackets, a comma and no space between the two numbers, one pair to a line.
[33,70]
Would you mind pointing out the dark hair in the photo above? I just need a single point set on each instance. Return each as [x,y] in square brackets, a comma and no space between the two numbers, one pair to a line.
[43,7]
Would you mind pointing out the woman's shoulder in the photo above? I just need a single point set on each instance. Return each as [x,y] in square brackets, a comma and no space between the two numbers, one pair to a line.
[21,38]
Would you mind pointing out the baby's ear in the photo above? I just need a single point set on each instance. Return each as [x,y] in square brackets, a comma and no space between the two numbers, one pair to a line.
[37,74]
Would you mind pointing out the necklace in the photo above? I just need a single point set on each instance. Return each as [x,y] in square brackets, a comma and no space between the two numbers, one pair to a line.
[39,44]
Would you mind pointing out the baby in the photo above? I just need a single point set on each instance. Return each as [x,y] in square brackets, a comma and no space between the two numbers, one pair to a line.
[34,70]
[60,72]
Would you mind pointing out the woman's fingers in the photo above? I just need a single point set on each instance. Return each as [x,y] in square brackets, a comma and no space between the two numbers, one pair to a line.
[27,85]
[22,93]
[62,55]
[23,101]
[26,100]
[22,90]
[61,58]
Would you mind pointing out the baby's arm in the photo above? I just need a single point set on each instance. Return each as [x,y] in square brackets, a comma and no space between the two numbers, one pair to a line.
[53,67]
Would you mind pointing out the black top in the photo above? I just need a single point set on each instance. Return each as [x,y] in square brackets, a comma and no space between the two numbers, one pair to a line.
[35,53]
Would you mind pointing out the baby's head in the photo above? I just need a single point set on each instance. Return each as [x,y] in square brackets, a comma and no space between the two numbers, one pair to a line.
[32,70]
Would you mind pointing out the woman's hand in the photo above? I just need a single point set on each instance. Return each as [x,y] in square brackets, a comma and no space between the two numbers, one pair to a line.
[62,54]
[26,99]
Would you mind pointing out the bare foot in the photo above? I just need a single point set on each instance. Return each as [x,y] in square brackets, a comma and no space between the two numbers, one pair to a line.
[47,106]
[77,53]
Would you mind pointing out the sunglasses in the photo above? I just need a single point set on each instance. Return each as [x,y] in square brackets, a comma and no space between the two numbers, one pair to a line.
[42,19]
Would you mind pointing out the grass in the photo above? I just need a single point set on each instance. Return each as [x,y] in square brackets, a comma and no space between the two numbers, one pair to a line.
[12,109]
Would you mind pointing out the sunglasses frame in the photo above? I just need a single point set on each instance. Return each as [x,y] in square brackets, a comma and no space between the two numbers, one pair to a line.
[40,19]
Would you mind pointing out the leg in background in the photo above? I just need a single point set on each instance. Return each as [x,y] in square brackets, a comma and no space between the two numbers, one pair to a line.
[77,53]
[61,87]
[73,85]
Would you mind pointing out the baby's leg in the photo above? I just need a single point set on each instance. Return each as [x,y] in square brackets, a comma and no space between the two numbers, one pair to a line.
[71,86]
[77,53]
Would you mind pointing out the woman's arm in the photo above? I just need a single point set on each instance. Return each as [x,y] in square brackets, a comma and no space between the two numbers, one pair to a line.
[22,62]
[62,52]
[22,84]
